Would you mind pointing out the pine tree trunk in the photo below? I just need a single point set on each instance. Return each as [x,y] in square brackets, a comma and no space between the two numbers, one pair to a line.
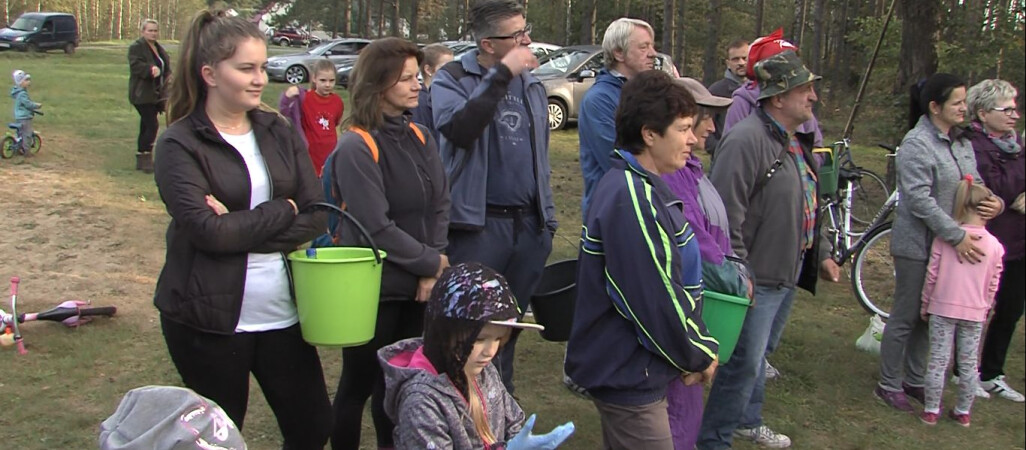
[668,28]
[796,28]
[760,8]
[680,51]
[919,34]
[347,16]
[710,63]
[394,29]
[588,22]
[815,59]
[121,15]
[414,20]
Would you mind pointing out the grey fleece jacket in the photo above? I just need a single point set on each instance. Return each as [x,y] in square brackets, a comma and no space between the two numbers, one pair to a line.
[428,411]
[930,165]
[765,226]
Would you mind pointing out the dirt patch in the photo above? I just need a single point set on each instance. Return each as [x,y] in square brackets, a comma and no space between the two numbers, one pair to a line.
[70,231]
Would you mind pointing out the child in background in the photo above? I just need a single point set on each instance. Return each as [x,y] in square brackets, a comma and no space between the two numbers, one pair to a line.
[23,108]
[442,390]
[316,111]
[435,56]
[956,298]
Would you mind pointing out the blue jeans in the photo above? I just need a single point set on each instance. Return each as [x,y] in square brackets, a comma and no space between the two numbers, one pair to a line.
[736,398]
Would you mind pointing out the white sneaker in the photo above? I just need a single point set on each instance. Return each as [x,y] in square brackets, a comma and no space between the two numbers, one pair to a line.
[763,436]
[771,372]
[980,391]
[999,387]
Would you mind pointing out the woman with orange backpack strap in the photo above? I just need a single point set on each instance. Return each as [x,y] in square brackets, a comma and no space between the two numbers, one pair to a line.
[388,174]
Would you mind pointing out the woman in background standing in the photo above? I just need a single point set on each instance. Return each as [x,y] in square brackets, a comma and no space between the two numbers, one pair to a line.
[149,70]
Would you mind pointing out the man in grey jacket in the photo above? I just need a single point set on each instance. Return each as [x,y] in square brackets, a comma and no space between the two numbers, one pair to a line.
[492,115]
[766,175]
[733,78]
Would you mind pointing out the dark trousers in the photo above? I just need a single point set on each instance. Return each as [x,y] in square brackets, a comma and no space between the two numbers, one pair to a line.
[148,126]
[287,368]
[1008,308]
[517,248]
[362,377]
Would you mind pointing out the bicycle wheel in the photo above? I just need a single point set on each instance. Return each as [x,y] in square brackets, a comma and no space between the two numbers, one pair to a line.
[872,277]
[868,195]
[7,147]
[37,143]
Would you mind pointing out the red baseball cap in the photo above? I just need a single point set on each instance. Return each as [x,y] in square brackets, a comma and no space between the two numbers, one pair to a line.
[767,46]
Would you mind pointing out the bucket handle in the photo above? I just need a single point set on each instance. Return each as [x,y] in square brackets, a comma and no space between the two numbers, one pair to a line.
[346,215]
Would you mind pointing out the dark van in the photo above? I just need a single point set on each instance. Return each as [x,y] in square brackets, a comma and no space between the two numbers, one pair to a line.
[41,31]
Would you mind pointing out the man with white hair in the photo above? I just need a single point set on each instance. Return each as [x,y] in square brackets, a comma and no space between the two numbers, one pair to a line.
[628,48]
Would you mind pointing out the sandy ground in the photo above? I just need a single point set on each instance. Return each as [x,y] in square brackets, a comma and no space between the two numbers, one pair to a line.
[71,231]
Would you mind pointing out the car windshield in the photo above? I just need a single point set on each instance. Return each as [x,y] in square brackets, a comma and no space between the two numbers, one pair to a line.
[25,24]
[321,49]
[561,62]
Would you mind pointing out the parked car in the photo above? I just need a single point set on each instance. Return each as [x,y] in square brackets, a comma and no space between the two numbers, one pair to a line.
[540,49]
[569,72]
[295,68]
[342,72]
[41,31]
[286,37]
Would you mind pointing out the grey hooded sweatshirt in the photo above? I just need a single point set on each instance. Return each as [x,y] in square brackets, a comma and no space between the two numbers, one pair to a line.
[930,165]
[428,411]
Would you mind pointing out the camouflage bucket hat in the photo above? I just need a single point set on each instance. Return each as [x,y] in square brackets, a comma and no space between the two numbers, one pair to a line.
[780,73]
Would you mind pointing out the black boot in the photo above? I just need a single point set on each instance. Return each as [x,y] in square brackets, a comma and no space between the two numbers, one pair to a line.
[144,162]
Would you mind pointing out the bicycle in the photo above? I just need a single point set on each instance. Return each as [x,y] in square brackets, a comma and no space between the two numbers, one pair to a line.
[12,141]
[870,250]
[70,313]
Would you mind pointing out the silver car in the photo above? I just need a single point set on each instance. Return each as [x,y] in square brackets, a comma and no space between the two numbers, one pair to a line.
[569,72]
[295,68]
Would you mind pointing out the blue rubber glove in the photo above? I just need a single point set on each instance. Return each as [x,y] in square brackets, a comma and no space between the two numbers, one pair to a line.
[524,440]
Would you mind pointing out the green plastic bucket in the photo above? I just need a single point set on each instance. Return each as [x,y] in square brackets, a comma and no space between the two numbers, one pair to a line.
[723,316]
[828,172]
[337,294]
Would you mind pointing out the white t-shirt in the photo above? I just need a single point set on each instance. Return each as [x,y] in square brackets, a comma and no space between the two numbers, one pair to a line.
[266,300]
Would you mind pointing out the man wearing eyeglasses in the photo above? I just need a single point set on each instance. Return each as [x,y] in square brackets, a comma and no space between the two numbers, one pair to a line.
[491,115]
[733,78]
[628,48]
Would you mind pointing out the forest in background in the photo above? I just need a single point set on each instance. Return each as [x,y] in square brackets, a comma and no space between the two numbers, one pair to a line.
[976,39]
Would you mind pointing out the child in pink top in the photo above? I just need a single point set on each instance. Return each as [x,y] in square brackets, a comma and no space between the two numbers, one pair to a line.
[958,292]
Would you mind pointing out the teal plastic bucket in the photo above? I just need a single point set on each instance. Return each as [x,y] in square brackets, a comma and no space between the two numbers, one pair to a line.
[337,294]
[724,315]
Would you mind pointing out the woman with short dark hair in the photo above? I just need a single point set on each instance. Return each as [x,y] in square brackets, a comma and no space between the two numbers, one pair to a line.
[639,285]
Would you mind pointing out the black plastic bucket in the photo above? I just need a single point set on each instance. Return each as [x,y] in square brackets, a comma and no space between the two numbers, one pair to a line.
[553,300]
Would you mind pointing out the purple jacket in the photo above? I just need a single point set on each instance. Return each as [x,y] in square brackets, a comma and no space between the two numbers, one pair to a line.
[745,101]
[292,109]
[1005,175]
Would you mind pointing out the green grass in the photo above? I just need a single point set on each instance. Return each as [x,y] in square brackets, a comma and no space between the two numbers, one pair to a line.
[89,226]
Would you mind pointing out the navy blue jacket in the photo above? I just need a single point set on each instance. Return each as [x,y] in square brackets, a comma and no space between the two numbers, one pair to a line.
[637,321]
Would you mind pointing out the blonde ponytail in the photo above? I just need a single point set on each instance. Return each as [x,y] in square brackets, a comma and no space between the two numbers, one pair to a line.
[477,414]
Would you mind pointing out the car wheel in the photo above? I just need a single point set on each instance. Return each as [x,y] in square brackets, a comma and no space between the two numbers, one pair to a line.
[557,115]
[295,74]
[69,48]
[284,42]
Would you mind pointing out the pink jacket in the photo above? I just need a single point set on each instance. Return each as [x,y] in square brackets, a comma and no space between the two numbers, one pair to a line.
[962,290]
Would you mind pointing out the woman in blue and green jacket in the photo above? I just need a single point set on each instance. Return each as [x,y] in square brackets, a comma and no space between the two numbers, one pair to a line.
[637,320]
